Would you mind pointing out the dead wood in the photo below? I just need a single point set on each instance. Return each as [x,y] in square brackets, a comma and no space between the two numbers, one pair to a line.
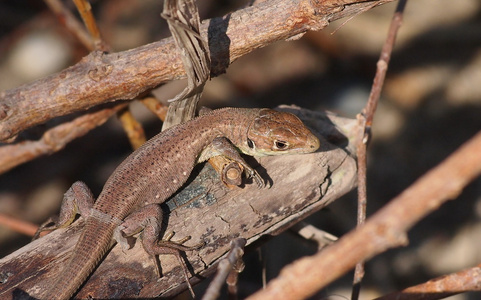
[386,229]
[54,139]
[468,280]
[99,78]
[365,118]
[207,211]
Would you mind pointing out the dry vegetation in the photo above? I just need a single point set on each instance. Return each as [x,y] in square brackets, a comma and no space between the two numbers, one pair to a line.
[431,104]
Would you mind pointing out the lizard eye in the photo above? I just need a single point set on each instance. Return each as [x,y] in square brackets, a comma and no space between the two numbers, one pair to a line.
[280,145]
[250,143]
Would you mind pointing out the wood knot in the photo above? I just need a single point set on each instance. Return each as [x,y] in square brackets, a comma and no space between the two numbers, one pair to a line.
[100,72]
[232,174]
[4,109]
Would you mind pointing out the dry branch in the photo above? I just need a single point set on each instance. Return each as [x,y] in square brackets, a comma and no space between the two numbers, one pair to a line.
[311,233]
[85,10]
[386,229]
[227,270]
[133,129]
[206,210]
[366,118]
[67,19]
[54,139]
[468,280]
[18,225]
[100,78]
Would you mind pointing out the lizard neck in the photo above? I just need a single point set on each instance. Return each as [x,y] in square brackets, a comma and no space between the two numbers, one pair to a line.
[232,123]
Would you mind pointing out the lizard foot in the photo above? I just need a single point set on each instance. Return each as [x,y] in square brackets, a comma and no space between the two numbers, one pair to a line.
[77,200]
[178,245]
[167,246]
[148,220]
[49,225]
[252,173]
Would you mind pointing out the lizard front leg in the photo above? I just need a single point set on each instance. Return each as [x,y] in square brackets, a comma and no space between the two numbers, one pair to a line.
[222,146]
[148,220]
[77,200]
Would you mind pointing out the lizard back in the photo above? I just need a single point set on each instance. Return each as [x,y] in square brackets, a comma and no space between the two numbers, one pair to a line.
[151,174]
[156,170]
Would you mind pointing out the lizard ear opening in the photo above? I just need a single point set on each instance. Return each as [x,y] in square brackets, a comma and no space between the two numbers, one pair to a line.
[250,143]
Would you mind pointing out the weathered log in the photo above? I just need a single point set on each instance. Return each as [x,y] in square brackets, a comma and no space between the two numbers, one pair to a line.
[207,211]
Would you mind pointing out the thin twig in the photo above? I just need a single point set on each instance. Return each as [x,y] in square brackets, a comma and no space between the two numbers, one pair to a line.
[53,139]
[155,106]
[365,119]
[18,225]
[385,229]
[71,23]
[85,11]
[309,232]
[383,63]
[232,263]
[468,280]
[132,128]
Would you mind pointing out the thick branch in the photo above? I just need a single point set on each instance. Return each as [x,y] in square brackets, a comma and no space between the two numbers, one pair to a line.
[205,210]
[100,78]
[386,229]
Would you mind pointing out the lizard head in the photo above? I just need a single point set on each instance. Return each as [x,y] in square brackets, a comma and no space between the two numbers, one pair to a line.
[275,133]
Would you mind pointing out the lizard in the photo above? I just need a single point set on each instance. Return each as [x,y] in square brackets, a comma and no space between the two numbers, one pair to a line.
[130,200]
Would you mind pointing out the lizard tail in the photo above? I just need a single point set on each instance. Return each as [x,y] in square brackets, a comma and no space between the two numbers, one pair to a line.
[94,242]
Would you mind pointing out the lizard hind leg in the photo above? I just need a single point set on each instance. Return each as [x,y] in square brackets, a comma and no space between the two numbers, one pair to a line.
[162,247]
[148,220]
[77,200]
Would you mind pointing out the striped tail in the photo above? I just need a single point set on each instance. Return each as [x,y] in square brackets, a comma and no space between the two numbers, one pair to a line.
[94,242]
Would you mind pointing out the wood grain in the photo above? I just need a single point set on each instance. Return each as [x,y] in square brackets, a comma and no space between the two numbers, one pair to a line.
[207,211]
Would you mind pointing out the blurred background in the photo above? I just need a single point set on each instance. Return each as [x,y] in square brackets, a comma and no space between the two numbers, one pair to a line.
[430,105]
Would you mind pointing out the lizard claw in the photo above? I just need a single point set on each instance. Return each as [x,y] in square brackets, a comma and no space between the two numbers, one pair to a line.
[121,239]
[257,178]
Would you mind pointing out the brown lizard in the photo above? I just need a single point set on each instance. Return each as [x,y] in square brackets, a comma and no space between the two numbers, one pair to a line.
[129,201]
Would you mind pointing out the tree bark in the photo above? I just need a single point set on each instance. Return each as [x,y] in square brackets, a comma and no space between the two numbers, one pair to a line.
[99,78]
[207,211]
